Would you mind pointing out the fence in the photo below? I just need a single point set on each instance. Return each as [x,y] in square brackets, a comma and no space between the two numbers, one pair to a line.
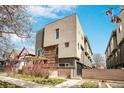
[46,71]
[103,74]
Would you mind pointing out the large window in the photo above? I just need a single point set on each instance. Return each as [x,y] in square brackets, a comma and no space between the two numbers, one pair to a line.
[57,33]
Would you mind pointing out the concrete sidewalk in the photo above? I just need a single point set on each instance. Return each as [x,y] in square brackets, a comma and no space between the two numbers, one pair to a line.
[28,84]
[69,83]
[22,83]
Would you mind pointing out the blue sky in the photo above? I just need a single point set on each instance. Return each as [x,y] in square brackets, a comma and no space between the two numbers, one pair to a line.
[96,25]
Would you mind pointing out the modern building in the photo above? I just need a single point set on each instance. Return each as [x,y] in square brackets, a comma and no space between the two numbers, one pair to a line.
[63,42]
[115,49]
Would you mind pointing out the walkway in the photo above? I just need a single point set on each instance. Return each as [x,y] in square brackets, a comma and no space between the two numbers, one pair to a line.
[22,83]
[69,83]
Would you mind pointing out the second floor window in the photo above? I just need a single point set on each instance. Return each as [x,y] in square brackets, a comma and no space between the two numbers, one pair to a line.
[57,33]
[120,28]
[66,44]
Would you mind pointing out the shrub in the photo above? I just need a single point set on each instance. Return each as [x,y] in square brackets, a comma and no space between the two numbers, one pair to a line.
[89,84]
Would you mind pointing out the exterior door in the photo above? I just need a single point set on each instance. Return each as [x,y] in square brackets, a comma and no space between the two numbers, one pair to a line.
[79,69]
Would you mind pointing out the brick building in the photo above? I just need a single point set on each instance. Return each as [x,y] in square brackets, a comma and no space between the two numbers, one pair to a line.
[63,42]
[115,49]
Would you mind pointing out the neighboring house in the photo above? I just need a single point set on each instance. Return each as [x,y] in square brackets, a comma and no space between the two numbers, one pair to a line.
[24,52]
[115,49]
[3,55]
[13,55]
[22,58]
[19,59]
[63,42]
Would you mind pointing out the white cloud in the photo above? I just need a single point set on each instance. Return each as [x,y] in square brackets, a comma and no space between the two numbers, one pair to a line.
[12,37]
[50,11]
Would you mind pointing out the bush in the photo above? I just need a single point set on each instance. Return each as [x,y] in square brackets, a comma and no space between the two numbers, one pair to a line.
[89,84]
[35,71]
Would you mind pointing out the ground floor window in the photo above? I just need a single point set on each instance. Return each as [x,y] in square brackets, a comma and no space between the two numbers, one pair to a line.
[63,65]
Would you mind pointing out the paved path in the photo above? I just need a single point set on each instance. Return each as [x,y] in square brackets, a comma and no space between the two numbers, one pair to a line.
[22,83]
[69,83]
[28,84]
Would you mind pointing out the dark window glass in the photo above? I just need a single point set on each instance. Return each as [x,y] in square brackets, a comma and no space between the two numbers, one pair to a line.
[57,33]
[62,65]
[66,65]
[67,44]
[45,62]
[57,51]
[39,52]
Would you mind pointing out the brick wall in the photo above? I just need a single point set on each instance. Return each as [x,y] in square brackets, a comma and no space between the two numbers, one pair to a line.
[46,71]
[67,72]
[103,74]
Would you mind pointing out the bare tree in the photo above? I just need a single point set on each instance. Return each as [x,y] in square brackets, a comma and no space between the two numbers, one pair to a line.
[14,19]
[99,59]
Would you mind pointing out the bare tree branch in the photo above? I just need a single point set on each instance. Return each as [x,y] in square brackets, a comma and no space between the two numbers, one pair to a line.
[15,20]
[99,59]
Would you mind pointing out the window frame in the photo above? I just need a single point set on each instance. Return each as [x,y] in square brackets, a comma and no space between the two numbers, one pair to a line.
[66,44]
[57,33]
[64,64]
[61,64]
[41,51]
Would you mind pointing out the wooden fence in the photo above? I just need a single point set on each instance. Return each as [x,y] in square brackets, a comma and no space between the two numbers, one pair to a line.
[103,74]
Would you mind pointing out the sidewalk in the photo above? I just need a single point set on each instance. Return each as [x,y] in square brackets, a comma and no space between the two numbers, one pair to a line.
[22,83]
[69,83]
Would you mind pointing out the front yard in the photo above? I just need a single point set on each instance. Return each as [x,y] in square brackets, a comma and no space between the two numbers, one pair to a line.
[40,80]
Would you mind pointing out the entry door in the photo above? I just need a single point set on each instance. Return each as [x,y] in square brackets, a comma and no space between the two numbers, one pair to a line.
[79,69]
